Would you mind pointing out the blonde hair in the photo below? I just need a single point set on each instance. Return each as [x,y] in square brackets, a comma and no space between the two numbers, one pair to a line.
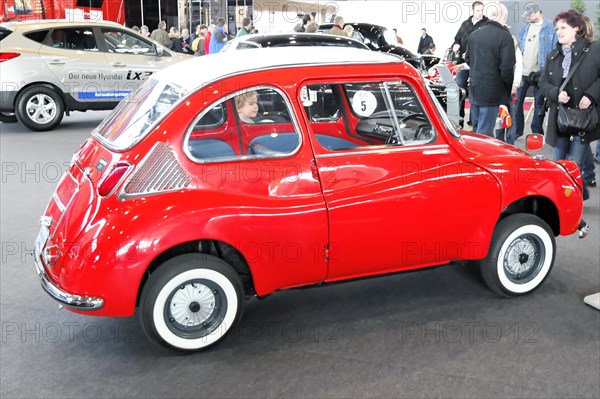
[241,98]
[589,28]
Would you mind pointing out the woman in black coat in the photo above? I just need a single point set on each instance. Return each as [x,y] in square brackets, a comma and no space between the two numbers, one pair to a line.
[582,90]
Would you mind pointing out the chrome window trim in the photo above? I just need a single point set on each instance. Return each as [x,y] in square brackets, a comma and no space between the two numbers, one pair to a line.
[427,150]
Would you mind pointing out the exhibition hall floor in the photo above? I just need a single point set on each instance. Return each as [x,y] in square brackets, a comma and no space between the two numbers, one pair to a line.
[436,333]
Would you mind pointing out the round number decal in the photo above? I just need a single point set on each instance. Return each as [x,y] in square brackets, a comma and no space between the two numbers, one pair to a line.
[364,103]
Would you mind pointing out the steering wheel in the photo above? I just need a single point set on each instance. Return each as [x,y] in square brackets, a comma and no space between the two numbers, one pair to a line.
[414,115]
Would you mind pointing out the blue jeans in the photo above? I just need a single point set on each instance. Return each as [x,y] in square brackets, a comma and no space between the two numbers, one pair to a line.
[537,121]
[508,135]
[589,169]
[484,119]
[574,150]
[597,157]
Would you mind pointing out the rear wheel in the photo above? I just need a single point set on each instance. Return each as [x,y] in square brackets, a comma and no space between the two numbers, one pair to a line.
[7,117]
[191,302]
[520,257]
[40,108]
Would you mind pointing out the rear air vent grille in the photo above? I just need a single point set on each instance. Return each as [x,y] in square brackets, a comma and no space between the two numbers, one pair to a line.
[159,172]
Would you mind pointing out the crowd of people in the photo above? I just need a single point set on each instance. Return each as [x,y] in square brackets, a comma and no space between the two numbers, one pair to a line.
[500,70]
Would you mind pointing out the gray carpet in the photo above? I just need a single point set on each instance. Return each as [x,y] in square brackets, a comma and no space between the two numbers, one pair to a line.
[435,333]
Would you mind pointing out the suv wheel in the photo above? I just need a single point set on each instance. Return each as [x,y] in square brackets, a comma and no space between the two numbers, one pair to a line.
[40,108]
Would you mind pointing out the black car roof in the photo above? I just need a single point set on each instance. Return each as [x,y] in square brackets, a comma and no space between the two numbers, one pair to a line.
[301,39]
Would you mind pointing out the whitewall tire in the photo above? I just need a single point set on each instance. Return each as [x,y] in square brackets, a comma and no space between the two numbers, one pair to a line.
[191,302]
[520,257]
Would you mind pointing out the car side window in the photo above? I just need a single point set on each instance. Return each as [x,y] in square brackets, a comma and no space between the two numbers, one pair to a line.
[72,39]
[369,114]
[122,42]
[252,123]
[37,36]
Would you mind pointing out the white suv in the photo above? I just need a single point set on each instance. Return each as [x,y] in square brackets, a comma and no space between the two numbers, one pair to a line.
[51,68]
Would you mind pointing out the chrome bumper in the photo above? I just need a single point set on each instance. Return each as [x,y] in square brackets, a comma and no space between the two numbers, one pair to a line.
[70,300]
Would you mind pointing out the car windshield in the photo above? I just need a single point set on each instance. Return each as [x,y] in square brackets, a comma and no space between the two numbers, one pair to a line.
[137,114]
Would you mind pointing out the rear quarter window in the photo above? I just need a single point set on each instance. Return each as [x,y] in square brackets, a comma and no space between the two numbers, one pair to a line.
[37,36]
[4,33]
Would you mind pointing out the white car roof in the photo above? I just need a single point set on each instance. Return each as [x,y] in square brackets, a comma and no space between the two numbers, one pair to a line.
[199,71]
[47,24]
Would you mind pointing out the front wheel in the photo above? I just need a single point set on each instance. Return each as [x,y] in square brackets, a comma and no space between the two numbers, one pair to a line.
[191,302]
[40,108]
[520,257]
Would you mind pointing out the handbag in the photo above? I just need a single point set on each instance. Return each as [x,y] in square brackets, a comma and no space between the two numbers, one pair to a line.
[575,121]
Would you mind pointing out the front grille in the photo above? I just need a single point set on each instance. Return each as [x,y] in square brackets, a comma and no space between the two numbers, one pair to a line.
[159,172]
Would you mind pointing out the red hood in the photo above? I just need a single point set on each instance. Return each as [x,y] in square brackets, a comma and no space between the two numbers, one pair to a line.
[481,148]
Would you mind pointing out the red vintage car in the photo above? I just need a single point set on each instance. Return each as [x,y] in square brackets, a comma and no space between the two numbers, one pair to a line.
[236,175]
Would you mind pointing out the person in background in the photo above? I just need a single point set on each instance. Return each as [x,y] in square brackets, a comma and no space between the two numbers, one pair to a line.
[198,43]
[160,35]
[136,29]
[175,40]
[301,26]
[186,42]
[459,46]
[398,38]
[312,28]
[219,36]
[536,40]
[211,29]
[430,50]
[145,31]
[589,171]
[349,29]
[491,59]
[582,89]
[509,135]
[424,42]
[246,27]
[338,27]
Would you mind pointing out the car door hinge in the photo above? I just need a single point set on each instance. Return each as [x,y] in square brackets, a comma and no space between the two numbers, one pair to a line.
[315,170]
[326,252]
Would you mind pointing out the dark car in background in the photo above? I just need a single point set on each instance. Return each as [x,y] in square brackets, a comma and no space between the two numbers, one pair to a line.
[378,38]
[291,39]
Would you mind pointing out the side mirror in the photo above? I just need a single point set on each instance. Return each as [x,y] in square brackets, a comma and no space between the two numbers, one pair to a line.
[159,51]
[534,142]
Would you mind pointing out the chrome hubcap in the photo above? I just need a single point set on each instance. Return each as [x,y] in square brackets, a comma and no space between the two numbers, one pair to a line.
[192,304]
[41,108]
[523,259]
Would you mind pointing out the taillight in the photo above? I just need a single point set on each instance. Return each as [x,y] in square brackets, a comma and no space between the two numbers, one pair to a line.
[8,56]
[113,178]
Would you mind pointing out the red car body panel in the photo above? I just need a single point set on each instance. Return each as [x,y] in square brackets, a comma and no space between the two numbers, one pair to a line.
[313,216]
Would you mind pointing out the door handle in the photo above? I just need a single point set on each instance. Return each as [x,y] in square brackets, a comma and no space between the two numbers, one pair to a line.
[118,64]
[56,62]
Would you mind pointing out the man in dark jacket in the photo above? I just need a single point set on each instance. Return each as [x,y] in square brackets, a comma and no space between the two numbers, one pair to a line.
[491,59]
[424,42]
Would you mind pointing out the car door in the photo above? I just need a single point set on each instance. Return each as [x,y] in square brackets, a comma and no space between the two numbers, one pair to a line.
[398,196]
[131,59]
[259,161]
[71,54]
